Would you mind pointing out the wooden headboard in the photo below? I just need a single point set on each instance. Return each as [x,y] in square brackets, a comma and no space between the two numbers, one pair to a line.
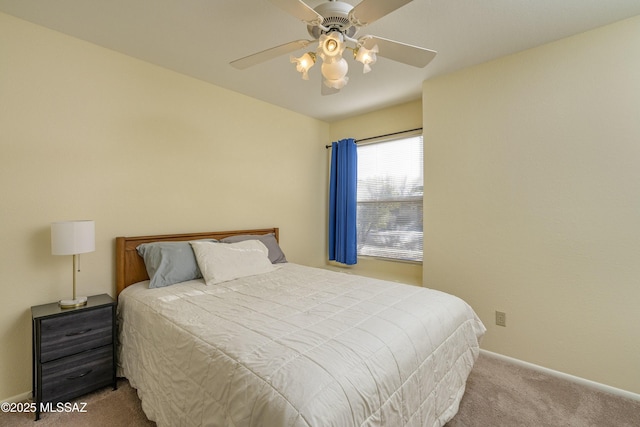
[130,267]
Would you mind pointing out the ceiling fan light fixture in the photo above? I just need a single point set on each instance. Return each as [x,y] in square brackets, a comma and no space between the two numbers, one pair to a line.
[335,73]
[367,57]
[304,63]
[333,25]
[331,46]
[337,83]
[335,70]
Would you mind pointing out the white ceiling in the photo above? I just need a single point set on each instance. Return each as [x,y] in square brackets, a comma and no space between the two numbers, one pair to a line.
[200,37]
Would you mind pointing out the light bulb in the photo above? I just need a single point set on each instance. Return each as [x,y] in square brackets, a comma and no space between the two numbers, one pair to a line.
[330,47]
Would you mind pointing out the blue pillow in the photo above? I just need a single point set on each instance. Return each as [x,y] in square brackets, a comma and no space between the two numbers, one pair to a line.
[168,263]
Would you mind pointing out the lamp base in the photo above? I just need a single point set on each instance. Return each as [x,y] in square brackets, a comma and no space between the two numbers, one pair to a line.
[72,303]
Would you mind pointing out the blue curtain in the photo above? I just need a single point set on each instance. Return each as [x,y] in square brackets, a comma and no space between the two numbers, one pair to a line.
[343,240]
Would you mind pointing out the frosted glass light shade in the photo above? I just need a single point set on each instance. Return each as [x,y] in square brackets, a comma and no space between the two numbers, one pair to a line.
[73,237]
[330,47]
[335,73]
[368,57]
[304,63]
[335,70]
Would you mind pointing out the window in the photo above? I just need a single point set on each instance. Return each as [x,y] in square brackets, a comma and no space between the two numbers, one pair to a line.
[390,185]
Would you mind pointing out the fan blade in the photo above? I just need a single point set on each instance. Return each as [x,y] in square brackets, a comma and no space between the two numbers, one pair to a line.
[368,11]
[300,10]
[401,52]
[265,55]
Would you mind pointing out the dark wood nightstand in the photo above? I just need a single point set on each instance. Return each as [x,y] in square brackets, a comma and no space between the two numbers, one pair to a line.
[74,350]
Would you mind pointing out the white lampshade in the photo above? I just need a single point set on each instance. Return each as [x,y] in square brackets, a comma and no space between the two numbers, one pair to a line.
[73,237]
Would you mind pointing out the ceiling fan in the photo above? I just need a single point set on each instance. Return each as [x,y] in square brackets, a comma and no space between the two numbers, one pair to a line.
[333,25]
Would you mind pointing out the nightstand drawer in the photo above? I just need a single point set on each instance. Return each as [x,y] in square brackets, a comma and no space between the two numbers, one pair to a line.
[72,376]
[65,335]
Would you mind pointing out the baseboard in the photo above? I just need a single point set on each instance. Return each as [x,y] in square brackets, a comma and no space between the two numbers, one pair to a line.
[582,381]
[18,397]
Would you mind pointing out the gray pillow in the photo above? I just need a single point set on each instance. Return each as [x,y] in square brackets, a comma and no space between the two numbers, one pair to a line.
[275,253]
[168,263]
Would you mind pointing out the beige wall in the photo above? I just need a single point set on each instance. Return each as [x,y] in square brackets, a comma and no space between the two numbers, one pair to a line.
[393,119]
[532,201]
[87,133]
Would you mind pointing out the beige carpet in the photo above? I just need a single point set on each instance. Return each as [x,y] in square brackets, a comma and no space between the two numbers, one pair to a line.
[502,394]
[499,394]
[105,407]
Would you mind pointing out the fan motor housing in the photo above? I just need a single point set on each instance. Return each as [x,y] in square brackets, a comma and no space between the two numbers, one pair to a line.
[336,18]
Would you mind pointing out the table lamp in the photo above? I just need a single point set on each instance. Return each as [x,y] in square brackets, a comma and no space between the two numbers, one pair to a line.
[73,238]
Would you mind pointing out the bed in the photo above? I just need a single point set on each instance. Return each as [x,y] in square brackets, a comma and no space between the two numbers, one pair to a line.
[290,346]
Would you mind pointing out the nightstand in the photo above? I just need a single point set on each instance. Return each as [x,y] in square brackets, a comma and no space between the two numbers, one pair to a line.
[74,350]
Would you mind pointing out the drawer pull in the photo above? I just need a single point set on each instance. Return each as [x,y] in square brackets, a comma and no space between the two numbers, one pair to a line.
[81,375]
[73,334]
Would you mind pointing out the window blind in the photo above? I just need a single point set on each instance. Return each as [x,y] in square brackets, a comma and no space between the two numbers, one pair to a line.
[390,189]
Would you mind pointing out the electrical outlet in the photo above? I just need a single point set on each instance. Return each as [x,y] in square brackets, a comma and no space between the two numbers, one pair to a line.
[501,318]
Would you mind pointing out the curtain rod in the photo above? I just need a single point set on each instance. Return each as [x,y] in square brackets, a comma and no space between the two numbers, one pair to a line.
[382,136]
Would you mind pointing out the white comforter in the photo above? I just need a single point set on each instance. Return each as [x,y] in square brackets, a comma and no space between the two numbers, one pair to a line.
[298,346]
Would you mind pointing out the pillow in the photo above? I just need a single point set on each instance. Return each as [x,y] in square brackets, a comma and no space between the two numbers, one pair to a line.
[220,263]
[168,263]
[275,253]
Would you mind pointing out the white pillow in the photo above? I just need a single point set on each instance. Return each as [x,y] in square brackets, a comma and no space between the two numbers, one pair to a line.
[220,262]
